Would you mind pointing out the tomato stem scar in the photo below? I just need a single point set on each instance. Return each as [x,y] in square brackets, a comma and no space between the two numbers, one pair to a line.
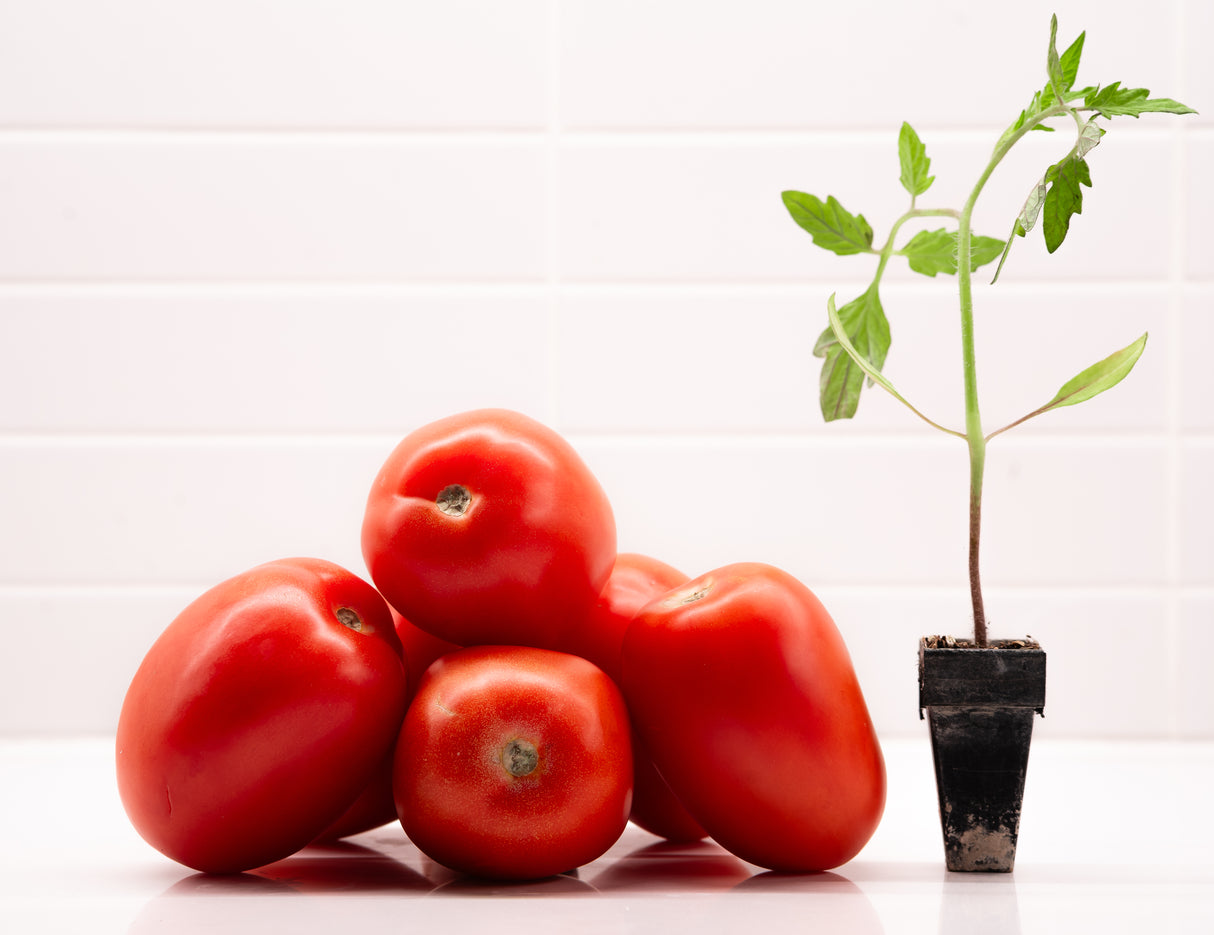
[454,500]
[520,757]
[349,618]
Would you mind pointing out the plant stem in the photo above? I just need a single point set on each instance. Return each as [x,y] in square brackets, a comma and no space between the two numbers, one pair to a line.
[973,418]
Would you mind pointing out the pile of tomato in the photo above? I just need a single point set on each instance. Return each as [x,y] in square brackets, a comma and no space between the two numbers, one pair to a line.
[507,687]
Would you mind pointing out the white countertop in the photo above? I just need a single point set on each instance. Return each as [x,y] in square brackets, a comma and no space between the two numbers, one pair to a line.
[1115,837]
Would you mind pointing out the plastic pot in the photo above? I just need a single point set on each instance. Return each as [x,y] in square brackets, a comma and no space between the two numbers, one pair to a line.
[980,704]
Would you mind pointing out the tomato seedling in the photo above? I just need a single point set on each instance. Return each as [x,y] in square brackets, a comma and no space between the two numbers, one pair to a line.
[857,338]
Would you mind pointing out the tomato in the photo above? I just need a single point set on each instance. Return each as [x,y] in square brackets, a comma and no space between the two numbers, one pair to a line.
[745,695]
[420,649]
[375,806]
[514,763]
[259,714]
[635,580]
[487,527]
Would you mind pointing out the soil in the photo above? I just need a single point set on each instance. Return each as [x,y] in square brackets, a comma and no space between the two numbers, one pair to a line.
[952,642]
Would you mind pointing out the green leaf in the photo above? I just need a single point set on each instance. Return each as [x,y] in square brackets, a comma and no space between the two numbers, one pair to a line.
[1017,231]
[1064,199]
[839,332]
[866,328]
[1089,136]
[1099,377]
[1031,210]
[1069,62]
[1115,101]
[984,250]
[1058,203]
[1062,70]
[912,155]
[1092,382]
[829,223]
[1054,63]
[932,252]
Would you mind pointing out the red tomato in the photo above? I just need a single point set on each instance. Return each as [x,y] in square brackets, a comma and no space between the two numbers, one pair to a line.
[259,714]
[487,527]
[420,649]
[744,693]
[514,763]
[635,581]
[376,807]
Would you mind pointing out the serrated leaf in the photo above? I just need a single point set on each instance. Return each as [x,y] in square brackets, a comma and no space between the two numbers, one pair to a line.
[1064,199]
[1060,86]
[829,223]
[932,252]
[1099,377]
[912,156]
[864,323]
[1040,196]
[1115,101]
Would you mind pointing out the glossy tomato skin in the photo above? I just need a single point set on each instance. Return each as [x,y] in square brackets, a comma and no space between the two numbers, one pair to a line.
[745,695]
[514,763]
[259,714]
[487,527]
[376,807]
[635,581]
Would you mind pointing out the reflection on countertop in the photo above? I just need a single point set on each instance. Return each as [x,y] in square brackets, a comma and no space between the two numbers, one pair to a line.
[1114,839]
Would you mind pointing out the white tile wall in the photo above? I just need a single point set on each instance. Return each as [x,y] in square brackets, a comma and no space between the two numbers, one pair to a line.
[242,253]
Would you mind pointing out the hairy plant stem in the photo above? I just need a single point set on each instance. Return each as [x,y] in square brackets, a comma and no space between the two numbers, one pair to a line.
[973,418]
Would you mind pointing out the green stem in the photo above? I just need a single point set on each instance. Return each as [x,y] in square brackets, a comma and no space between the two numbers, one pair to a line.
[973,418]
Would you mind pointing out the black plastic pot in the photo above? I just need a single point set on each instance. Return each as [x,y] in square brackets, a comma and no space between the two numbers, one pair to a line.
[980,705]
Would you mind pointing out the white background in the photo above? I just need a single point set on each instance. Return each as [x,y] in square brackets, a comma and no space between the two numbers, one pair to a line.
[247,246]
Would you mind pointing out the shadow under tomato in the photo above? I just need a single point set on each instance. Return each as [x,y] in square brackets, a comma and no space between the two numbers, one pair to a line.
[344,867]
[206,902]
[776,881]
[696,866]
[838,904]
[227,884]
[563,884]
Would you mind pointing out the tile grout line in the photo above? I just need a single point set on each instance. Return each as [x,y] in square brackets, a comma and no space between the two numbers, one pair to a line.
[1175,396]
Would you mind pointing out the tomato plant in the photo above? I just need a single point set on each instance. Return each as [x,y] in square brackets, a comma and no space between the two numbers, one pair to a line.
[857,337]
[487,527]
[635,580]
[514,763]
[259,714]
[744,694]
